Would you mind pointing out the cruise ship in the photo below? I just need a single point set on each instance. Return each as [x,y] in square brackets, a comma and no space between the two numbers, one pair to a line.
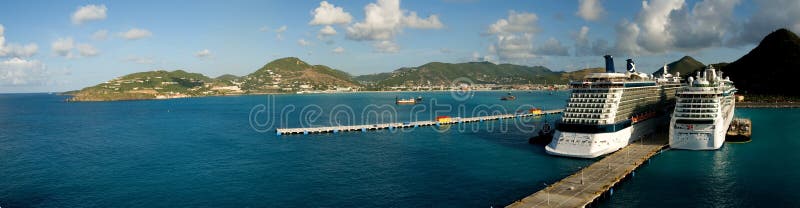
[703,112]
[607,111]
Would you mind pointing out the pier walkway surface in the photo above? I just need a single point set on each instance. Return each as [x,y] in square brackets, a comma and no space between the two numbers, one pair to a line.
[363,128]
[589,184]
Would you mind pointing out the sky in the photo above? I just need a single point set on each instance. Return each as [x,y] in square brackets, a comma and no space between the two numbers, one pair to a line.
[52,46]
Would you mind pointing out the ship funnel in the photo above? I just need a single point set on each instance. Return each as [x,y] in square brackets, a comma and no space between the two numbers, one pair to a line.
[609,63]
[630,66]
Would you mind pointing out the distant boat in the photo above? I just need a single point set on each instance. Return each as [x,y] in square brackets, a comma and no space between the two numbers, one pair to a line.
[419,98]
[404,101]
[508,97]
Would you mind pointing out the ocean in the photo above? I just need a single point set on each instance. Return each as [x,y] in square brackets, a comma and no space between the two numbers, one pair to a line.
[223,152]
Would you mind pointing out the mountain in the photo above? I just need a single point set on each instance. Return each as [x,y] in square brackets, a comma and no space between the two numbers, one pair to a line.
[227,77]
[771,68]
[686,66]
[146,85]
[437,73]
[292,74]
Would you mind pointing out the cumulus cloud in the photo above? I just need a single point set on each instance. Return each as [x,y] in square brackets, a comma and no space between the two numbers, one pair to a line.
[63,46]
[515,23]
[414,21]
[590,10]
[385,46]
[87,50]
[769,16]
[328,14]
[203,53]
[552,47]
[585,47]
[667,25]
[326,31]
[303,42]
[384,20]
[100,35]
[135,34]
[338,50]
[21,72]
[89,13]
[14,49]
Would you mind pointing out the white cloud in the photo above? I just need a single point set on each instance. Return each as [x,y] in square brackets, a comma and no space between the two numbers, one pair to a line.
[14,49]
[584,47]
[263,29]
[203,53]
[303,42]
[512,47]
[279,32]
[100,35]
[384,20]
[87,50]
[89,13]
[135,34]
[590,10]
[16,71]
[515,23]
[326,31]
[413,21]
[328,14]
[385,46]
[63,46]
[552,47]
[667,25]
[769,16]
[338,50]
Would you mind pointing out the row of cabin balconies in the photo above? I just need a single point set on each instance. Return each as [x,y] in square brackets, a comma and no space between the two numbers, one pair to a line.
[587,105]
[591,100]
[585,115]
[587,110]
[694,110]
[583,121]
[698,106]
[697,100]
[695,115]
[592,95]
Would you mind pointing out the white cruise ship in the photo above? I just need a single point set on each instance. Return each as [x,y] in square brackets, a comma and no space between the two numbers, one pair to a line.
[608,111]
[703,112]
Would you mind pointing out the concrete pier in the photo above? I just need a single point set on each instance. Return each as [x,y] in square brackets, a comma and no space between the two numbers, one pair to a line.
[337,129]
[586,186]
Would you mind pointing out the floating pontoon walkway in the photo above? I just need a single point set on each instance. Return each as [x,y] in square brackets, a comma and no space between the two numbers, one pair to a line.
[589,184]
[336,129]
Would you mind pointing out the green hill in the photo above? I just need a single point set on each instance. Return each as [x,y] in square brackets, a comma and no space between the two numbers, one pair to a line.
[437,73]
[686,66]
[146,85]
[770,68]
[293,74]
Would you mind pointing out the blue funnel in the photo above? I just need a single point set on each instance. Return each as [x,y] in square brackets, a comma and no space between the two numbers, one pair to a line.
[609,63]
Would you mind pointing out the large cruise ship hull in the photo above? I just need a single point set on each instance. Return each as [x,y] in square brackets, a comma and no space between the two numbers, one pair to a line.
[591,145]
[700,136]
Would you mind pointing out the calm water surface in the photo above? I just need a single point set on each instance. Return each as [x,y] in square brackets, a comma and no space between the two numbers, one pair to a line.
[203,152]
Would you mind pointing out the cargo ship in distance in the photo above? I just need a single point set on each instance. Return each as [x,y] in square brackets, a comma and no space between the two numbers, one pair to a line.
[607,111]
[703,112]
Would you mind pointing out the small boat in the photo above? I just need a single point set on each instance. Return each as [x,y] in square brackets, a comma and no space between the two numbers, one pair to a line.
[419,98]
[404,101]
[545,135]
[508,97]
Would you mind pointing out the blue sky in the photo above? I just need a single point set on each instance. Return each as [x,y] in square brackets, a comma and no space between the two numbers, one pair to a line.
[67,45]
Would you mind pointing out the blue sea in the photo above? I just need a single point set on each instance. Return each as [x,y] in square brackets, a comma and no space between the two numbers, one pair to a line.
[223,152]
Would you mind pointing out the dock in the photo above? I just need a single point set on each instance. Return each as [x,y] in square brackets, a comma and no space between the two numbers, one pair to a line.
[589,184]
[412,124]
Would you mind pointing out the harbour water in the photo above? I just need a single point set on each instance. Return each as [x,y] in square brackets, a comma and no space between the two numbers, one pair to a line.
[203,152]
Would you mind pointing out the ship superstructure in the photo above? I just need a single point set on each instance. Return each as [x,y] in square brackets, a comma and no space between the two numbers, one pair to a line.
[607,111]
[703,112]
